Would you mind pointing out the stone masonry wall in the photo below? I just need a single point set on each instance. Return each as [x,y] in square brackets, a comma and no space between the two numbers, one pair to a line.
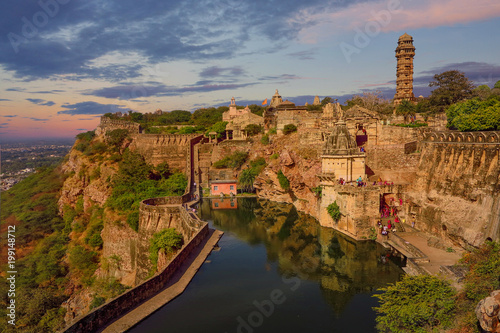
[457,190]
[108,124]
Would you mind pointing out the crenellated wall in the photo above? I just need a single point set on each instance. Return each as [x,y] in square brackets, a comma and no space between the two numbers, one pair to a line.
[108,124]
[457,189]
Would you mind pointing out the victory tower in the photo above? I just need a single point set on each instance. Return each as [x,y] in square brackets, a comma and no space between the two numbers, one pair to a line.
[404,74]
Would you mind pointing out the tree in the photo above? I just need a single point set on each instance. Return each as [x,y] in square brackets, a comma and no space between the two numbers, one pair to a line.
[475,115]
[289,128]
[257,109]
[219,128]
[253,129]
[167,240]
[246,179]
[284,182]
[482,91]
[415,304]
[406,109]
[334,210]
[452,87]
[373,101]
[497,85]
[325,101]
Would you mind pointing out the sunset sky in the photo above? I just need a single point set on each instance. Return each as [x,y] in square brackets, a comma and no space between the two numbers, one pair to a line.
[63,63]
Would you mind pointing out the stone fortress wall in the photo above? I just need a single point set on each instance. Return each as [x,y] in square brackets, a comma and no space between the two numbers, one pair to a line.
[155,214]
[108,124]
[457,189]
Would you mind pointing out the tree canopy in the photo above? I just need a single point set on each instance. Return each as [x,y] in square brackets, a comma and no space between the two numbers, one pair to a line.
[406,109]
[452,87]
[475,115]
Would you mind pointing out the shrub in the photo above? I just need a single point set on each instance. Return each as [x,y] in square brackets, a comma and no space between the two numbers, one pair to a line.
[235,160]
[284,182]
[289,128]
[167,240]
[273,130]
[416,304]
[97,302]
[253,129]
[116,137]
[87,136]
[133,220]
[265,139]
[334,210]
[274,156]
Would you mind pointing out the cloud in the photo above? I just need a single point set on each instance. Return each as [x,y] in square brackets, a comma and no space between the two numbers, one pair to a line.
[10,116]
[54,91]
[40,101]
[81,129]
[479,72]
[92,41]
[216,71]
[402,15]
[303,55]
[4,100]
[130,92]
[90,108]
[4,125]
[15,89]
[36,119]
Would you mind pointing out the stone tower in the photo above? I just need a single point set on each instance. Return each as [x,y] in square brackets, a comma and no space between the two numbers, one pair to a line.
[276,100]
[404,74]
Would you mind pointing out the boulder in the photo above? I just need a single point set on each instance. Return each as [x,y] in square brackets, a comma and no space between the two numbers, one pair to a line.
[488,313]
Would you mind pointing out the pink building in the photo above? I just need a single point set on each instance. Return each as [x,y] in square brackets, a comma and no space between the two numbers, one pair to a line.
[223,186]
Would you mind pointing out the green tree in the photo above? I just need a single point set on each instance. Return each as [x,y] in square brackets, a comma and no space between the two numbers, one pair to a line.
[257,109]
[452,87]
[482,91]
[373,101]
[116,137]
[284,182]
[246,179]
[253,129]
[497,85]
[325,101]
[406,109]
[415,304]
[289,128]
[219,128]
[168,240]
[334,210]
[474,115]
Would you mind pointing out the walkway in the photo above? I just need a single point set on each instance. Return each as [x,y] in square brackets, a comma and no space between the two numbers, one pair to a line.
[176,286]
[413,244]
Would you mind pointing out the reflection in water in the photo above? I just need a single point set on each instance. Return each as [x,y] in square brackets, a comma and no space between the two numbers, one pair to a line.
[301,247]
[277,271]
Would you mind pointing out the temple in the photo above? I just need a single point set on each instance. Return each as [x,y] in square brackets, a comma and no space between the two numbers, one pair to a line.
[404,73]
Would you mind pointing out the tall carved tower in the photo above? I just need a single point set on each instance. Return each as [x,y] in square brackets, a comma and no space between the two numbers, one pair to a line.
[404,74]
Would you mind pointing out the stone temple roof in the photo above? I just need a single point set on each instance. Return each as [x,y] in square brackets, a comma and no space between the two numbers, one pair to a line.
[405,36]
[340,141]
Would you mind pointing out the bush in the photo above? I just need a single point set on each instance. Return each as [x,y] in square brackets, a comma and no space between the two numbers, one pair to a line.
[87,136]
[235,160]
[116,137]
[167,240]
[284,182]
[273,130]
[253,129]
[265,139]
[133,220]
[416,304]
[289,128]
[334,210]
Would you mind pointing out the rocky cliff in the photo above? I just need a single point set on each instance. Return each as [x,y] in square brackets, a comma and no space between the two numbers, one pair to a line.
[457,191]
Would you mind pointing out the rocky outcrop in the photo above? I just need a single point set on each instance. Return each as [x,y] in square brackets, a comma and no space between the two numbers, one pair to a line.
[488,313]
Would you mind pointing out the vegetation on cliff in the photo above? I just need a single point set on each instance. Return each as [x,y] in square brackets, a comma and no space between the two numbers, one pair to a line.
[234,161]
[475,115]
[415,304]
[334,210]
[168,241]
[283,180]
[429,304]
[41,243]
[136,181]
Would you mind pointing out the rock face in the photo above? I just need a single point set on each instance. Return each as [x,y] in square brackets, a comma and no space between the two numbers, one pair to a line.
[488,313]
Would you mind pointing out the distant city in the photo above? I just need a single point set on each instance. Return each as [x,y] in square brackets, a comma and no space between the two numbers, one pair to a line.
[18,160]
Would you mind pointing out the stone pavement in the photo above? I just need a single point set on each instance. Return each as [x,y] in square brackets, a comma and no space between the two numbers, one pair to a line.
[413,244]
[178,283]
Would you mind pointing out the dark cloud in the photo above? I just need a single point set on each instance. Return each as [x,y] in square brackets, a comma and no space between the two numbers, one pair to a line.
[55,91]
[36,119]
[73,35]
[91,108]
[216,71]
[15,89]
[282,77]
[40,101]
[130,92]
[4,100]
[81,129]
[303,55]
[10,116]
[478,72]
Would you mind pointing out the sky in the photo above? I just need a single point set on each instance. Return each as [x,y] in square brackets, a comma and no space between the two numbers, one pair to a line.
[64,63]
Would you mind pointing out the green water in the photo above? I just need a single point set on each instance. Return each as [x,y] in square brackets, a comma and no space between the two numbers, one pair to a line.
[277,270]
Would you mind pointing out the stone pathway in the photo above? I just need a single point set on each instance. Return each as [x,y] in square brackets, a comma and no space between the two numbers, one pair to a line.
[178,283]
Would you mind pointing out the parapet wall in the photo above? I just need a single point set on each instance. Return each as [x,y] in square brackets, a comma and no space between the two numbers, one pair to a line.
[491,137]
[170,148]
[108,124]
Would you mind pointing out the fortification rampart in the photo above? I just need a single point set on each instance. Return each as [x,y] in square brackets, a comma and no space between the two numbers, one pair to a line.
[155,214]
[108,124]
[456,193]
